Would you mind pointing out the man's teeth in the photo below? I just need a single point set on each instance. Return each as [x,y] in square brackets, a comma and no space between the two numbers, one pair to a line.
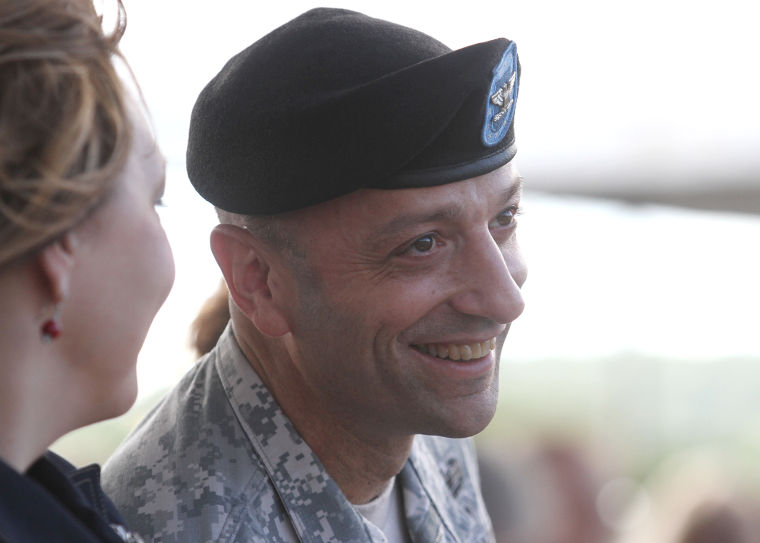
[458,352]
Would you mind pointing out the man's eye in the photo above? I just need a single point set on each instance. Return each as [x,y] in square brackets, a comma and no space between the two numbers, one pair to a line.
[424,244]
[506,217]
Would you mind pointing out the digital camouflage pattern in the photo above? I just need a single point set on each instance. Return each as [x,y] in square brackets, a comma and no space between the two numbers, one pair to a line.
[218,460]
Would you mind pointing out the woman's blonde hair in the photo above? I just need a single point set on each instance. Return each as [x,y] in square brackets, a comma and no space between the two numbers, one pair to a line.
[64,126]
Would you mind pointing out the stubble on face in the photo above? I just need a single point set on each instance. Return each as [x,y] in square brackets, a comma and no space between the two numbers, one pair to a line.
[371,382]
[354,333]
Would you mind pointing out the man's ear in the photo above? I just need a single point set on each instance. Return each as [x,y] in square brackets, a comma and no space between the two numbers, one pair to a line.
[56,262]
[247,270]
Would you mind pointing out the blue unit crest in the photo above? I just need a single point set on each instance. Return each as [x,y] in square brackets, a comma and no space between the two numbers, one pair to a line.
[500,108]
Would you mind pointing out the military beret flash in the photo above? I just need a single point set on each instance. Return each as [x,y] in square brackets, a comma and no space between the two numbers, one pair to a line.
[334,101]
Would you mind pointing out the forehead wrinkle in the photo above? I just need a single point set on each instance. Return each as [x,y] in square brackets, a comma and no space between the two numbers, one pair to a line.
[450,212]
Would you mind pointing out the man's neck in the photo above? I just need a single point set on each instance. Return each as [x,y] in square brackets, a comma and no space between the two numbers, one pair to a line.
[360,467]
[360,461]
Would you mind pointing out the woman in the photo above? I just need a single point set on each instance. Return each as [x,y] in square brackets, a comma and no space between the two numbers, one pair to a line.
[84,261]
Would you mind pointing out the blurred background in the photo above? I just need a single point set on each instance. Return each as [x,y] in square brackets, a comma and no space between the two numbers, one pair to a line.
[630,386]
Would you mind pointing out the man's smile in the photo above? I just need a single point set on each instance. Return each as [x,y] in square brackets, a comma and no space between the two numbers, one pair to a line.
[463,351]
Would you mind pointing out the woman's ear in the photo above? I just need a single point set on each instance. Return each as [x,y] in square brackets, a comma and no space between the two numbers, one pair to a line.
[56,262]
[247,270]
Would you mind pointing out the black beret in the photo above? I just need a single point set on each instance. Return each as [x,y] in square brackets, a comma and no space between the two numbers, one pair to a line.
[334,101]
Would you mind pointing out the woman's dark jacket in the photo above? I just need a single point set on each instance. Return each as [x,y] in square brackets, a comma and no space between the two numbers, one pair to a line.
[55,502]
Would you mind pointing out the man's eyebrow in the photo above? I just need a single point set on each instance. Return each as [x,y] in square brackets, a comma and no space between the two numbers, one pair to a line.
[514,190]
[398,224]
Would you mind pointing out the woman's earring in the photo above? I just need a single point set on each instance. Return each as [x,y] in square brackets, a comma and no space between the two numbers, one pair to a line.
[51,328]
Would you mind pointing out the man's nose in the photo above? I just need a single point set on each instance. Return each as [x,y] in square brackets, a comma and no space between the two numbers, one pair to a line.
[490,277]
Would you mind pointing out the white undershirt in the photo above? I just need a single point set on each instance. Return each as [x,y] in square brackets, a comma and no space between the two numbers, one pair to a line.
[387,513]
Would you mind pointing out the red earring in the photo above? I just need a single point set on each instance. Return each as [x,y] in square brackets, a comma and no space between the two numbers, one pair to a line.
[51,328]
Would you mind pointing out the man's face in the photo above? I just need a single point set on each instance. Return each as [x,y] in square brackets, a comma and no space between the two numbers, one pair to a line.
[397,283]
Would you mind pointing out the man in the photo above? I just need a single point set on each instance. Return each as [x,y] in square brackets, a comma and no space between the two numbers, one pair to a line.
[363,176]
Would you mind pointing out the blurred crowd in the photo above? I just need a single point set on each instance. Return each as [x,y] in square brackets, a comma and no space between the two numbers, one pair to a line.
[558,492]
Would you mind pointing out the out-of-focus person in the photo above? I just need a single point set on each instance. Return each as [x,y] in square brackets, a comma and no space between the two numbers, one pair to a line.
[712,523]
[84,261]
[544,494]
[696,495]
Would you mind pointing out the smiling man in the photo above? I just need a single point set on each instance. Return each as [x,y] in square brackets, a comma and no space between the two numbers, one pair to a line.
[364,178]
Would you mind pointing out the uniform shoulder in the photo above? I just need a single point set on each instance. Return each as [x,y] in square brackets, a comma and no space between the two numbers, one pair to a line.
[188,465]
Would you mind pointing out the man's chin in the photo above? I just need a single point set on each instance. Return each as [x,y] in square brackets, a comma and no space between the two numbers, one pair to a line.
[468,418]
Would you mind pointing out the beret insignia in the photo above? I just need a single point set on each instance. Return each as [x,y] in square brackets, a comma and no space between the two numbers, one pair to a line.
[501,99]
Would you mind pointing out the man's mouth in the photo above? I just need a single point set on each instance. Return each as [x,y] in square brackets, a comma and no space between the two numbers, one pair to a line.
[451,351]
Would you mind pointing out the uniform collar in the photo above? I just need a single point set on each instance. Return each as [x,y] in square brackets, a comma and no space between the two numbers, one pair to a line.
[315,504]
[441,495]
[431,479]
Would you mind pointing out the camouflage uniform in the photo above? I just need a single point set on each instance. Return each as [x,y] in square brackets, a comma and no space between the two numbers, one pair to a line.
[218,460]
